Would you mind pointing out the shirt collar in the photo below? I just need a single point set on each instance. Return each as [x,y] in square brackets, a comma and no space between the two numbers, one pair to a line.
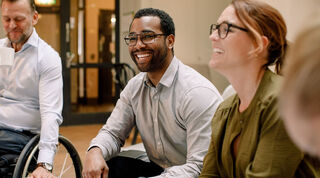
[33,39]
[169,75]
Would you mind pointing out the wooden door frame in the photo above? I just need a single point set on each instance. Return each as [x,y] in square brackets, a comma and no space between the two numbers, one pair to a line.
[71,118]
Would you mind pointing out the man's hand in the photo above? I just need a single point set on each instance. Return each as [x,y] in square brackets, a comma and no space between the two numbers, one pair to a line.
[94,165]
[41,172]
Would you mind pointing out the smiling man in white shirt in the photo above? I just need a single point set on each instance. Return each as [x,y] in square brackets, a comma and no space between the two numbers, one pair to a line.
[31,89]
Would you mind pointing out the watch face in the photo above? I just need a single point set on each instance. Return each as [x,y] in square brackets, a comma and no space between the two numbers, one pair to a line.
[48,166]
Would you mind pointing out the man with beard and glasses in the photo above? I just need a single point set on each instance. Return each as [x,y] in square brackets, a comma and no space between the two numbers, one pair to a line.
[170,103]
[30,89]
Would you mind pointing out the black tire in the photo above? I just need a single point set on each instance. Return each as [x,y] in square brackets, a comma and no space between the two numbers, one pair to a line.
[27,159]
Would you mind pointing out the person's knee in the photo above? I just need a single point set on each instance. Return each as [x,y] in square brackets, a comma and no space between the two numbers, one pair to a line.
[118,167]
[125,167]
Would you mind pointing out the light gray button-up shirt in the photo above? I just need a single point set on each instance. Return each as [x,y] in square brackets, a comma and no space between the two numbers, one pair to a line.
[173,119]
[31,93]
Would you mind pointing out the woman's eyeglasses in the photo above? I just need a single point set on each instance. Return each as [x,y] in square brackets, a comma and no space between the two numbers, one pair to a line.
[224,28]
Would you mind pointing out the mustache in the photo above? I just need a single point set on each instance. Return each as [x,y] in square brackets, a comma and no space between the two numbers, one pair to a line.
[141,50]
[14,30]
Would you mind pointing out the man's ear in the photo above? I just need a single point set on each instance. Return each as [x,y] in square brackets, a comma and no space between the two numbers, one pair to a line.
[35,18]
[170,41]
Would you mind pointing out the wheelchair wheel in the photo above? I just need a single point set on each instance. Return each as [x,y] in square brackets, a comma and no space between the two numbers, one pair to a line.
[67,163]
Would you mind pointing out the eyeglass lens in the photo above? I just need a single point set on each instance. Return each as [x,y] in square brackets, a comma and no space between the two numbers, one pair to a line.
[222,28]
[145,37]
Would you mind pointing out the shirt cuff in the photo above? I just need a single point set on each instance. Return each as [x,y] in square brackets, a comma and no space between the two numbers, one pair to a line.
[104,152]
[46,156]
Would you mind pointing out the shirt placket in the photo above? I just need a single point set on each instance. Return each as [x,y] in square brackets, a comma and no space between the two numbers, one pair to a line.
[155,109]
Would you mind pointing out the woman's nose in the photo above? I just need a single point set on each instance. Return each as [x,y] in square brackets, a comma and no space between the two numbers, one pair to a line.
[214,35]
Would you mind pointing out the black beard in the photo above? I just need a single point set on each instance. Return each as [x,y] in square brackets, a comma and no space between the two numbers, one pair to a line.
[156,62]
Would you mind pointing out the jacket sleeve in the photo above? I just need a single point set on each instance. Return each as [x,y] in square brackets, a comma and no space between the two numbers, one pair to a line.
[210,167]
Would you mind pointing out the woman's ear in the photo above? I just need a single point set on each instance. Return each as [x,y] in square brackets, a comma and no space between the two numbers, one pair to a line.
[264,50]
[265,42]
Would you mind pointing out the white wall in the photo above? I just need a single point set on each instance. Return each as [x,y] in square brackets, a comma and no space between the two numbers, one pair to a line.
[296,13]
[127,10]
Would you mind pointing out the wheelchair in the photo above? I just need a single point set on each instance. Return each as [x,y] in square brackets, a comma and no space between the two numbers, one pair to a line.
[67,162]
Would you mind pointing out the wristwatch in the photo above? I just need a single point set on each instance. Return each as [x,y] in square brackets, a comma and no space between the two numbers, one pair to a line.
[47,166]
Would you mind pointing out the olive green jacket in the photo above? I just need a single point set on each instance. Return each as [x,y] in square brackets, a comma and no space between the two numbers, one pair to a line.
[264,149]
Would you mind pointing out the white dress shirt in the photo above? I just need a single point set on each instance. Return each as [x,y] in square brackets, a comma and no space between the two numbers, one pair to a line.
[31,93]
[173,119]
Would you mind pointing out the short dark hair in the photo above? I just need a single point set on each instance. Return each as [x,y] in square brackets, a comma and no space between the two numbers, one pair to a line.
[31,2]
[166,22]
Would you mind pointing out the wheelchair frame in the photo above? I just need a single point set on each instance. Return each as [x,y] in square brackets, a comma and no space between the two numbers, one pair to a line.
[29,151]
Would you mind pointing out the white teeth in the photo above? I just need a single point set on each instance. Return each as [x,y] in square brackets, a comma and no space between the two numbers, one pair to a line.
[217,50]
[142,55]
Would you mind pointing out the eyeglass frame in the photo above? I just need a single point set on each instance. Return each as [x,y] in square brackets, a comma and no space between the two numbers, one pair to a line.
[217,27]
[154,35]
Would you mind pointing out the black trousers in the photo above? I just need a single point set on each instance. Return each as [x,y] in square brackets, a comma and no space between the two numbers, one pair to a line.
[125,167]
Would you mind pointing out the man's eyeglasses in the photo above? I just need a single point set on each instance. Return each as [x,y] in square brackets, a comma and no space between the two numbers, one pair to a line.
[224,28]
[145,37]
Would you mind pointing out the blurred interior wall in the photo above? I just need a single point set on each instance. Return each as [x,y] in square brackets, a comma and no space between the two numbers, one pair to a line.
[193,18]
[295,13]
